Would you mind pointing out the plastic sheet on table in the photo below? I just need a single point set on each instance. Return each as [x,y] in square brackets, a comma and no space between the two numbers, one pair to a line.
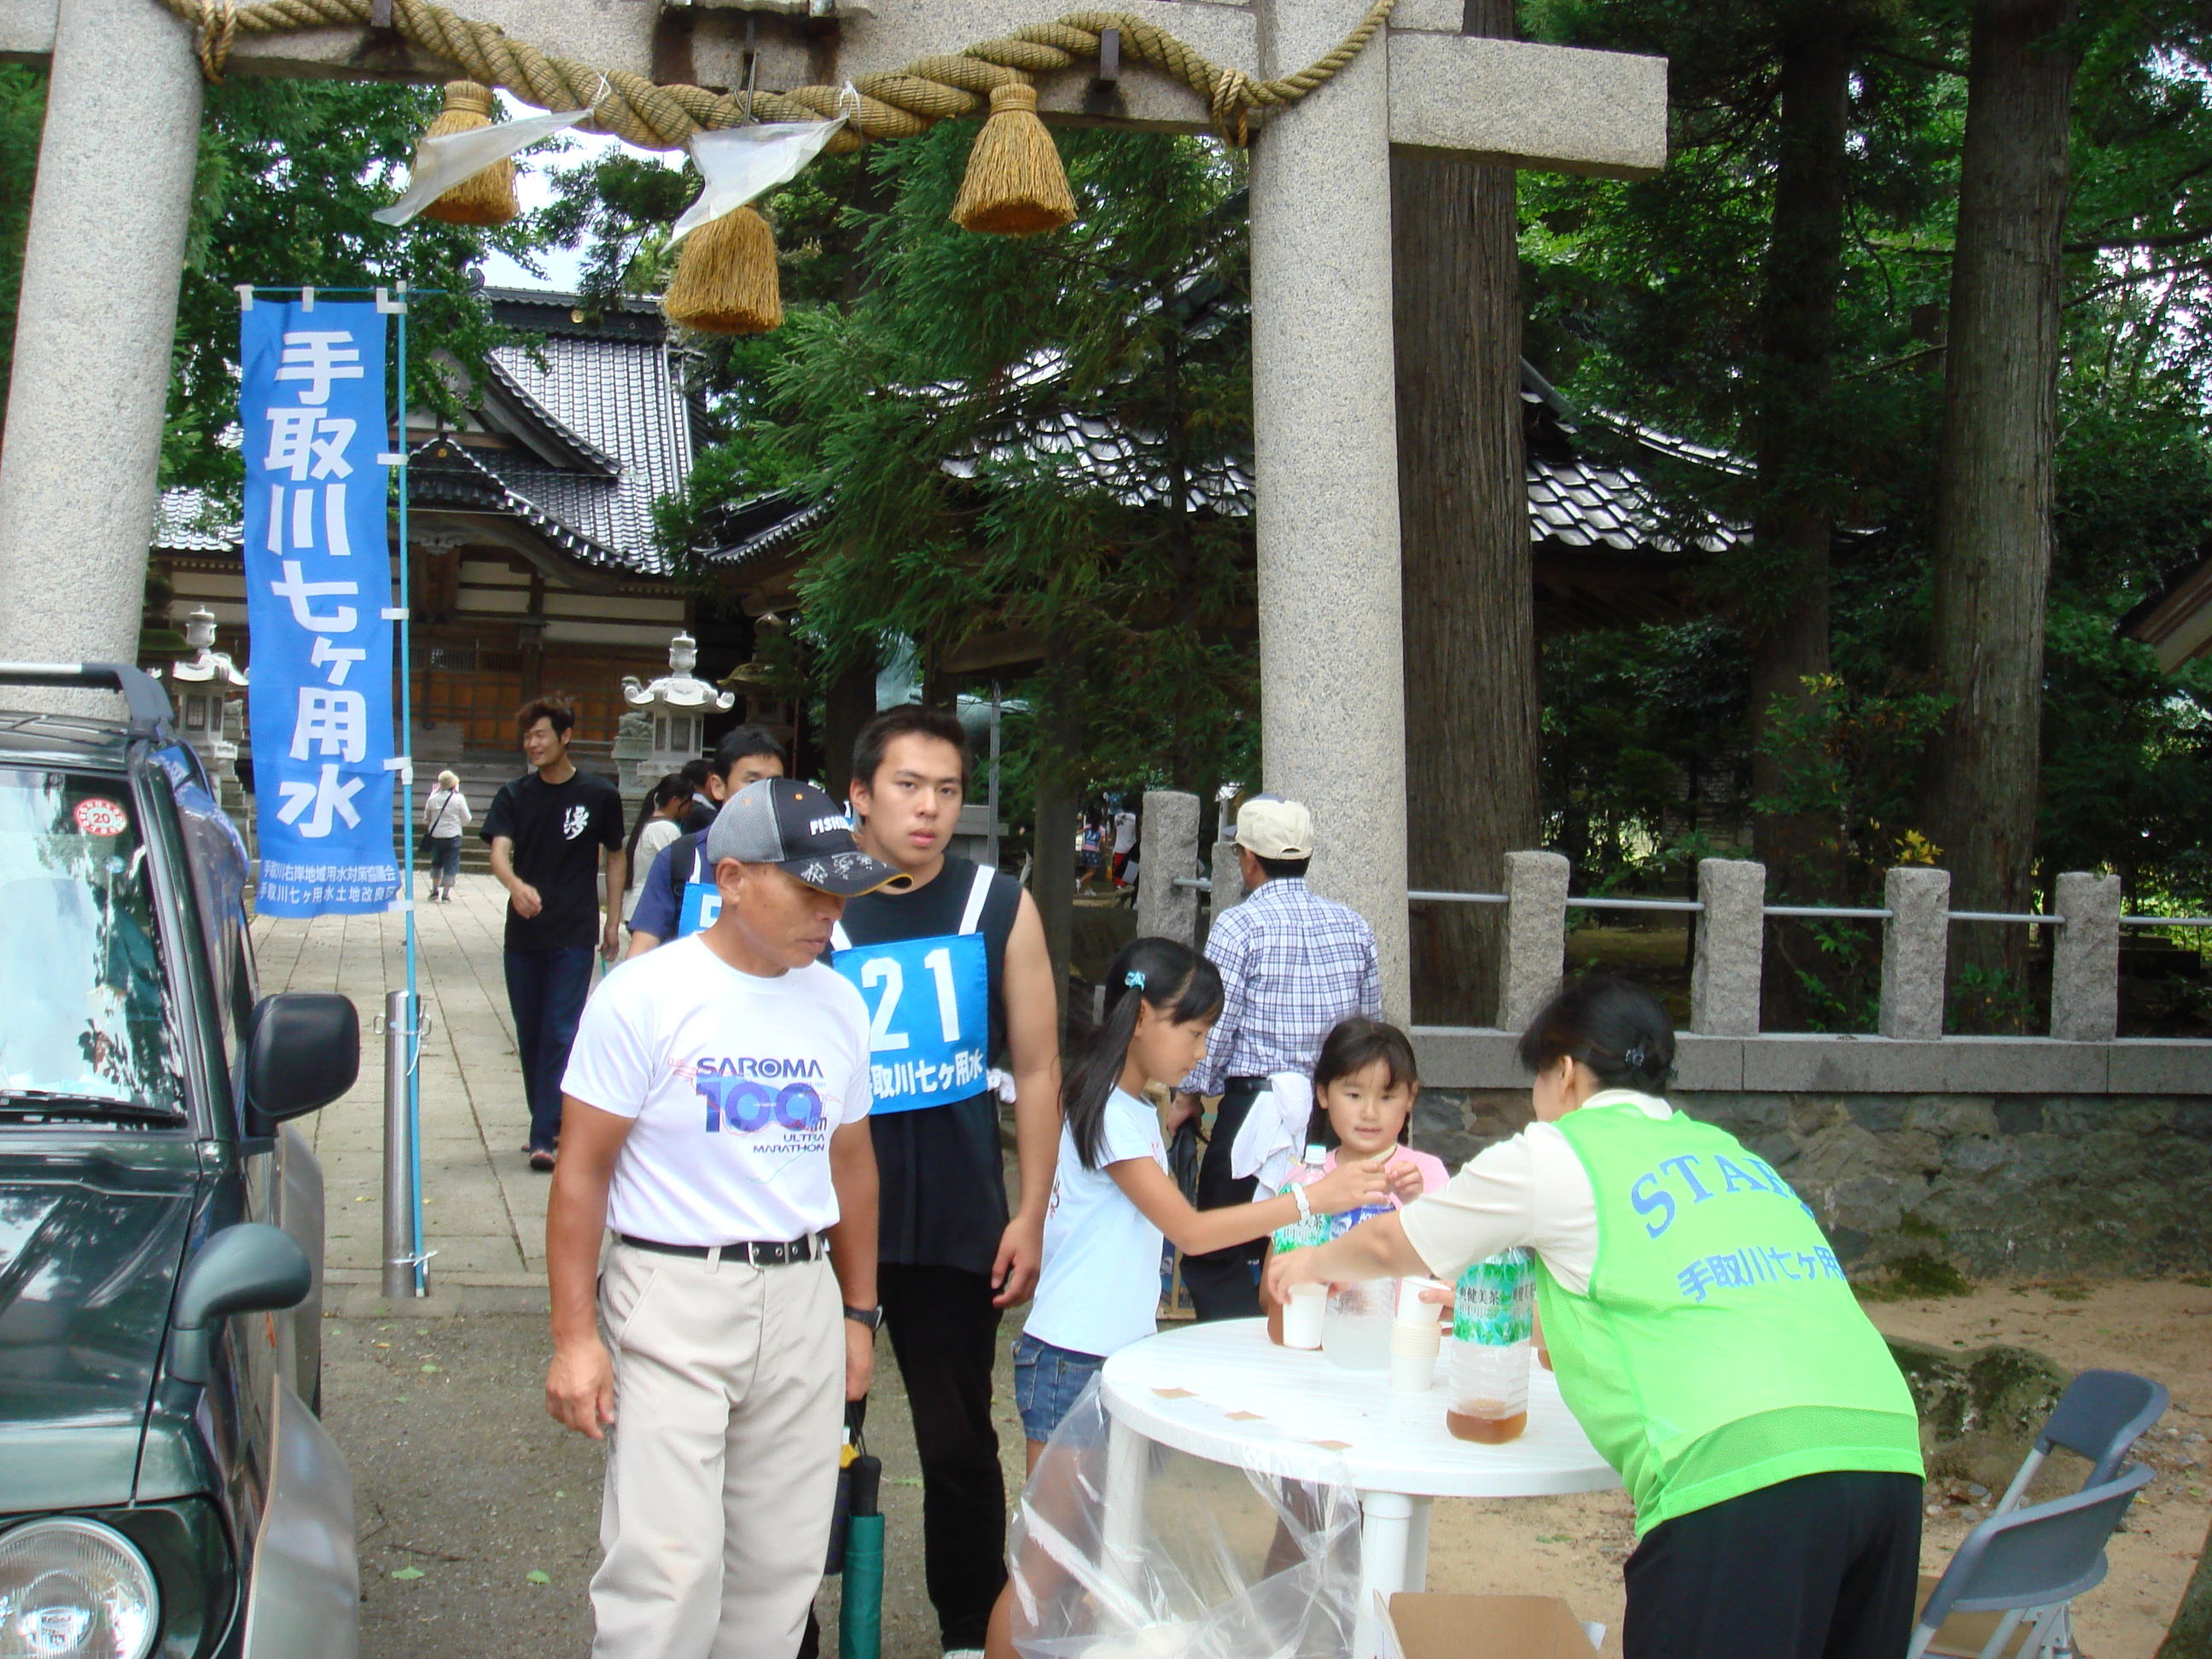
[1123,1549]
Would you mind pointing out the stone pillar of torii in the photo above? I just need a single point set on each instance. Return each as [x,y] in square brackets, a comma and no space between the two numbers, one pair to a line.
[107,241]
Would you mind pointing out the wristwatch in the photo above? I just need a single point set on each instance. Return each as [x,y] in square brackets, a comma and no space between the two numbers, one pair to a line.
[872,1317]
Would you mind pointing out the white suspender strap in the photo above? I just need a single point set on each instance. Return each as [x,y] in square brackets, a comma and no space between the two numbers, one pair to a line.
[979,891]
[838,940]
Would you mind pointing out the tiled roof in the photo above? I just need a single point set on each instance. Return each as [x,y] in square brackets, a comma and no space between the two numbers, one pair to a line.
[621,397]
[188,522]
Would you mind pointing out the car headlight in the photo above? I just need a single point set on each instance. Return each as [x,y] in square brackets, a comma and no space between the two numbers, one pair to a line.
[75,1590]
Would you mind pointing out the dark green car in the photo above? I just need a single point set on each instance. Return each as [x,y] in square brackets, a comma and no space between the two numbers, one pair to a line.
[165,1486]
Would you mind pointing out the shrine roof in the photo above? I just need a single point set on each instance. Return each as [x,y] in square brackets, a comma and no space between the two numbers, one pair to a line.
[602,426]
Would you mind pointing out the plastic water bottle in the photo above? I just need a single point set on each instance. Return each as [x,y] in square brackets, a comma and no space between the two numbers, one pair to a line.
[1493,1312]
[1298,1235]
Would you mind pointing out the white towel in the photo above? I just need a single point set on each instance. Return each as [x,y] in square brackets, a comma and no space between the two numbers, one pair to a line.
[1274,1132]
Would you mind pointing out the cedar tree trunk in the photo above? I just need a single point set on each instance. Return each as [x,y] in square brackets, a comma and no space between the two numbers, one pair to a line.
[1785,613]
[1993,501]
[1467,569]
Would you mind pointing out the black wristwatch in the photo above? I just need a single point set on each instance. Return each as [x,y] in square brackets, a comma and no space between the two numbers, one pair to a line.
[872,1317]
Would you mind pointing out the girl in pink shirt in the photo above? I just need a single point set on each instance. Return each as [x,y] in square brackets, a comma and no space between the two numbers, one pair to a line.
[1365,1085]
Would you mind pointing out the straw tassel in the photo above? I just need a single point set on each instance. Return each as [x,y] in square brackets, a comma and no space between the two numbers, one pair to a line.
[482,198]
[1015,185]
[726,278]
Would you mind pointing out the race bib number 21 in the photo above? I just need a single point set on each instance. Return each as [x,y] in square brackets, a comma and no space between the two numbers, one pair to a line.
[928,1017]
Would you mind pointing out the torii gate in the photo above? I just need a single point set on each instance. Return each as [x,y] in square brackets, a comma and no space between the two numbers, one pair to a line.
[107,238]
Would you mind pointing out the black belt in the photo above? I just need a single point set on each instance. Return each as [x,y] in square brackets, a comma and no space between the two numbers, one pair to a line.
[762,1253]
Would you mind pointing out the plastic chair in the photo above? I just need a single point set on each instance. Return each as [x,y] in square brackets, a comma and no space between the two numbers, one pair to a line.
[2025,1566]
[2100,1417]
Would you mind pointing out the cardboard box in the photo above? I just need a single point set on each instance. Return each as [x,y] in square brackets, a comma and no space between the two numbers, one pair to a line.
[1424,1626]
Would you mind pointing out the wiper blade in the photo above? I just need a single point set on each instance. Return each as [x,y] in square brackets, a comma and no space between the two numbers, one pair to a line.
[52,1101]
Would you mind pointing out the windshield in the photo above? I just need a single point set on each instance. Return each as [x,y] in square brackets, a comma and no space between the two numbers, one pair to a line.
[82,1015]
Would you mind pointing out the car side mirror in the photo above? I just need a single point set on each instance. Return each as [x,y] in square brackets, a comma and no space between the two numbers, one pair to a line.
[305,1052]
[250,1267]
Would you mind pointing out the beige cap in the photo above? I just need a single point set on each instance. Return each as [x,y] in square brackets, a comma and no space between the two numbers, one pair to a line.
[1274,828]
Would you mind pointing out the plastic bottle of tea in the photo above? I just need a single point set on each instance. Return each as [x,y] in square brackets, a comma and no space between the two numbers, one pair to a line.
[1487,1370]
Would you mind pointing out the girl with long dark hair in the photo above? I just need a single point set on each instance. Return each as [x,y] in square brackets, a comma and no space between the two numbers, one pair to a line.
[1113,1200]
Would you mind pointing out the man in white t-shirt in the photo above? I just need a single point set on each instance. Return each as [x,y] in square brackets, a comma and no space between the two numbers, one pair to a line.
[715,1108]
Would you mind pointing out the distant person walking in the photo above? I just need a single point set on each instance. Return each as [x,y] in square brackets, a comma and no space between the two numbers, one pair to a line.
[659,822]
[445,816]
[717,1125]
[1292,964]
[547,830]
[1125,843]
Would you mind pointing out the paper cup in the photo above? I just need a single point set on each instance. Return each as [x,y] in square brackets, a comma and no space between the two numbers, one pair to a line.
[1416,1341]
[1302,1316]
[1413,1373]
[1411,1310]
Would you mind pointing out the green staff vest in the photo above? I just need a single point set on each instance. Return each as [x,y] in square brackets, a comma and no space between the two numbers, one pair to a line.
[1718,1349]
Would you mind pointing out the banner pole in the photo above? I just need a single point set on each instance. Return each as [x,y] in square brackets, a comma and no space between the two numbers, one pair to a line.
[414,1022]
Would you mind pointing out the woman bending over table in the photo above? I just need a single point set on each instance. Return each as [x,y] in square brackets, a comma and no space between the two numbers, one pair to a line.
[1704,1335]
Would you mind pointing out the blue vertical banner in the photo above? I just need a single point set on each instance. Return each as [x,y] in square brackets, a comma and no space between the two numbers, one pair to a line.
[319,589]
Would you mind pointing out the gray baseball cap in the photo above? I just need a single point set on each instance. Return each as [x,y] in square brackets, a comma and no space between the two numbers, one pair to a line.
[800,830]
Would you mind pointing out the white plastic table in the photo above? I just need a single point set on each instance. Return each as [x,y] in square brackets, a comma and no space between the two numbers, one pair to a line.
[1297,1415]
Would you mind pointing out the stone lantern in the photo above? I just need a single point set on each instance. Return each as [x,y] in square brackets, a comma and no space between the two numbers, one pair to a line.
[200,687]
[677,705]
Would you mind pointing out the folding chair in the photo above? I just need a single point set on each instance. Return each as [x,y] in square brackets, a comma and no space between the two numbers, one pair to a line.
[2100,1416]
[2024,1567]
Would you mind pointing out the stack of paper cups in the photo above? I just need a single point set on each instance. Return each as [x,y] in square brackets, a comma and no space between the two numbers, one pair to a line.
[1413,1355]
[1302,1316]
[1415,1337]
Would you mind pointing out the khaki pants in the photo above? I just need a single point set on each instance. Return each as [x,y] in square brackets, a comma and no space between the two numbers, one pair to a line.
[722,1463]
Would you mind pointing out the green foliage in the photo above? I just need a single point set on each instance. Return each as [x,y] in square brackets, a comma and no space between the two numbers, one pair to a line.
[22,115]
[927,403]
[1644,302]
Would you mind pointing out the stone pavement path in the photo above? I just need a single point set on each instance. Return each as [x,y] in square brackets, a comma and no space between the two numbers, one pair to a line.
[483,1210]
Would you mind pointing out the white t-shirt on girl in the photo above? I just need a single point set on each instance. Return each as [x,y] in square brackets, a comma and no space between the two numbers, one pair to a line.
[736,1082]
[1101,1284]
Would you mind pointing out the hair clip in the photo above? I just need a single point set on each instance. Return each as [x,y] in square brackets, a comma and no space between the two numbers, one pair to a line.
[1134,979]
[1634,1058]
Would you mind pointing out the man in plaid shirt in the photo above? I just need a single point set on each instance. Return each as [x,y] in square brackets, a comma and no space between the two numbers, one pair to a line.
[1294,964]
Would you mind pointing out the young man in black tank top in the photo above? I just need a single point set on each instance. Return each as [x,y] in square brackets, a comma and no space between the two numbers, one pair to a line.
[956,975]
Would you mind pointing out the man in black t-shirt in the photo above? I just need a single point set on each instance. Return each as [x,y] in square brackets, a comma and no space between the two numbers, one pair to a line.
[956,975]
[549,830]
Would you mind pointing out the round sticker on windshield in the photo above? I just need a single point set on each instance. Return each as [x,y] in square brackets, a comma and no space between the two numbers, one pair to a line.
[96,816]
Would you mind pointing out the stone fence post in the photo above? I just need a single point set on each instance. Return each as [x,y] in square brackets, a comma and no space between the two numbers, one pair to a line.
[1916,944]
[2085,960]
[1535,935]
[1170,852]
[1731,944]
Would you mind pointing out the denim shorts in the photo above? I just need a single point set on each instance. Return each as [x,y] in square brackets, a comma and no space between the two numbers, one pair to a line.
[1047,1382]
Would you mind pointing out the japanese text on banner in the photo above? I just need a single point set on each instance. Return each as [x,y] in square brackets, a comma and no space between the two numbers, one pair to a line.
[319,581]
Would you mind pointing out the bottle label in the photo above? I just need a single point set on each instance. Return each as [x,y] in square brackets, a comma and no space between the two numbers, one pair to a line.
[1495,1302]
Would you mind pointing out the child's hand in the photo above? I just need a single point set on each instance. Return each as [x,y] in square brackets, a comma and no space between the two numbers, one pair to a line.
[1353,1183]
[1406,1183]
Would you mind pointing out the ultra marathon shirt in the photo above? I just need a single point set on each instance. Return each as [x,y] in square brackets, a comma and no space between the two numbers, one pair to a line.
[943,1197]
[736,1082]
[1101,1284]
[558,830]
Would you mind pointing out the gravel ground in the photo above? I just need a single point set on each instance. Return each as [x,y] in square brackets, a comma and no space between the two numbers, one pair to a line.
[467,1493]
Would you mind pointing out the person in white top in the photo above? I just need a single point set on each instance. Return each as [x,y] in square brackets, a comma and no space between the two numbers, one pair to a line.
[659,821]
[1113,1200]
[445,815]
[715,1120]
